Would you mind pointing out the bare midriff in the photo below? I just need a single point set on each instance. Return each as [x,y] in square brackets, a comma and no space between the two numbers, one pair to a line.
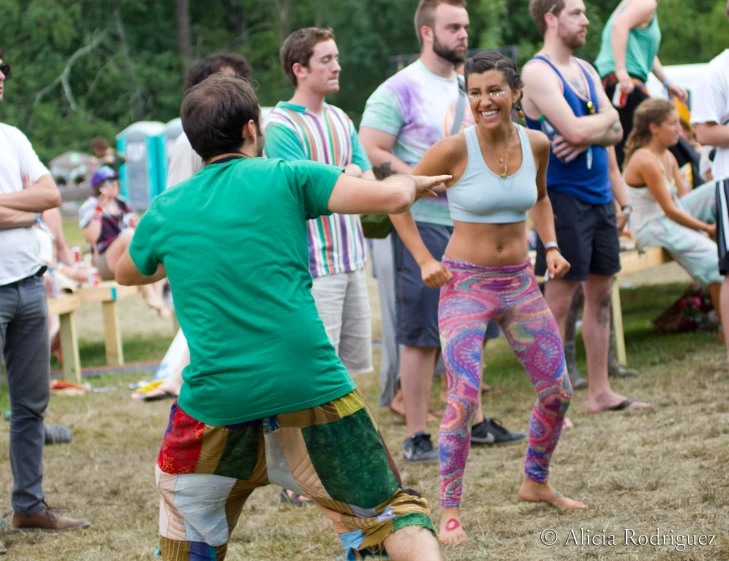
[489,245]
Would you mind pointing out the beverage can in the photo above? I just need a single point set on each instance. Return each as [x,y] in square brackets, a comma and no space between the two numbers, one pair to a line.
[77,255]
[619,98]
[94,278]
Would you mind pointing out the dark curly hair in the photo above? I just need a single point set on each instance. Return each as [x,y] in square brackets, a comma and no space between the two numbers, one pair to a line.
[199,70]
[494,60]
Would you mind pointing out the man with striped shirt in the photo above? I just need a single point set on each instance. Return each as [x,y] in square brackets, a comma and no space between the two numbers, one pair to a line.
[308,128]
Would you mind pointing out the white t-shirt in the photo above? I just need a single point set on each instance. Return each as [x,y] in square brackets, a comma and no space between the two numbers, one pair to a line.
[184,163]
[19,247]
[712,106]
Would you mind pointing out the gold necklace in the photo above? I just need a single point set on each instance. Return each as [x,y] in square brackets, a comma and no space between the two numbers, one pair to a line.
[505,159]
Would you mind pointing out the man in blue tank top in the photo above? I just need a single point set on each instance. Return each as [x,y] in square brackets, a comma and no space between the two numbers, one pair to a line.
[563,96]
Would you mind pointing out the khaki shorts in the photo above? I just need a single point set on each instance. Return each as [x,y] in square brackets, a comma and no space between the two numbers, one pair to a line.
[343,305]
[104,271]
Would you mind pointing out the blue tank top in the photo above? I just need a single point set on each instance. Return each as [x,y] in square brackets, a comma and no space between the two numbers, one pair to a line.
[482,196]
[585,177]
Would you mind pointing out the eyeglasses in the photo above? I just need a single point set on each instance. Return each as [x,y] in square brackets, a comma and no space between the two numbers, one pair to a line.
[5,69]
[495,93]
[552,9]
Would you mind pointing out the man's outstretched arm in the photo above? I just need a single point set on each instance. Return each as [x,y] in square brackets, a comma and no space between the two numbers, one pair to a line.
[127,273]
[395,194]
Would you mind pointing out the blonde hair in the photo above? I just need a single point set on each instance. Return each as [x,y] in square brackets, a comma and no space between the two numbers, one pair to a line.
[650,112]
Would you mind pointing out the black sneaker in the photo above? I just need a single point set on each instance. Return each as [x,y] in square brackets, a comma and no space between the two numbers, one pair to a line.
[57,434]
[419,448]
[491,432]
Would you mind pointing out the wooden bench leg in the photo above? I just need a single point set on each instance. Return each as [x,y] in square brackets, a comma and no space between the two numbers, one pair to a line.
[112,336]
[69,348]
[618,325]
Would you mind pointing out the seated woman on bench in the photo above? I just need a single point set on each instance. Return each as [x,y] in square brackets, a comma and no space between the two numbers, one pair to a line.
[108,225]
[665,212]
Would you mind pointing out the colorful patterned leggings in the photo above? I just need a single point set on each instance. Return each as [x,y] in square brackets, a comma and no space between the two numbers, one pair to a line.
[510,296]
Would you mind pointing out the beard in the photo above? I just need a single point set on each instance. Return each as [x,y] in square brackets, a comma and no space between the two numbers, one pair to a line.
[451,55]
[573,40]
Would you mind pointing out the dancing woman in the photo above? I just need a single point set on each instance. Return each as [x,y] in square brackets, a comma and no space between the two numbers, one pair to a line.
[499,173]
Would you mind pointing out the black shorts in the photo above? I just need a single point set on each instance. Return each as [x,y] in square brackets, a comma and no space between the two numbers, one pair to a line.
[587,236]
[722,224]
[416,304]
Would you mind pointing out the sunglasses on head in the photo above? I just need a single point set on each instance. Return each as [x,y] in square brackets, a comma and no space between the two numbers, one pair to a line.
[5,69]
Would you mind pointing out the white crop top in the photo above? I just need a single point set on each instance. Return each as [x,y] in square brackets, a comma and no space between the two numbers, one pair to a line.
[484,197]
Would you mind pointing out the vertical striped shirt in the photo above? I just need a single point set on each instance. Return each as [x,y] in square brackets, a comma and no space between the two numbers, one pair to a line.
[336,242]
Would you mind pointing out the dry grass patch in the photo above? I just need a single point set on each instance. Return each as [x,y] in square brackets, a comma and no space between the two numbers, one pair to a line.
[667,468]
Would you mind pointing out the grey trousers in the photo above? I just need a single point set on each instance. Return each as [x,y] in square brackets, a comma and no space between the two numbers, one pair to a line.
[26,348]
[384,263]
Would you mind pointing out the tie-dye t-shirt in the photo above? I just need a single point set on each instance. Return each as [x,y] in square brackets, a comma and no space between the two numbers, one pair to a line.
[418,107]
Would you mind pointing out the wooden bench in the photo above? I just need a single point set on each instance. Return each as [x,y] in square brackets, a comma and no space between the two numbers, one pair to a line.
[65,307]
[630,262]
[109,293]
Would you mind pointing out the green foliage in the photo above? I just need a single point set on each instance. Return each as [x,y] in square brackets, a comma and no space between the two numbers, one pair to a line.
[126,67]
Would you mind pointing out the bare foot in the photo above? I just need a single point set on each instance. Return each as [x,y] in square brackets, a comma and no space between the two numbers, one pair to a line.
[485,388]
[451,531]
[152,295]
[534,492]
[398,404]
[613,402]
[567,424]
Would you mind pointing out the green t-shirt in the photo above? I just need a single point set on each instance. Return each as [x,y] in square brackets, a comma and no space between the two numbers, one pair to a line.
[640,52]
[233,240]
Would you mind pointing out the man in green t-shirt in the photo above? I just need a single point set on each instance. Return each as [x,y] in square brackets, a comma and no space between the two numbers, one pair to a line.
[265,398]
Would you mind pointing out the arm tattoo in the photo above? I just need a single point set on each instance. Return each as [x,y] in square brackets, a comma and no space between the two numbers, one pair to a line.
[383,170]
[615,129]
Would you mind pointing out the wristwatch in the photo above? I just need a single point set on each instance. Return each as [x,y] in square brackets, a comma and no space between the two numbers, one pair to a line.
[627,209]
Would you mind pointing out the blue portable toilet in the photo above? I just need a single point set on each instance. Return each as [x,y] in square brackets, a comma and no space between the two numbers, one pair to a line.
[144,175]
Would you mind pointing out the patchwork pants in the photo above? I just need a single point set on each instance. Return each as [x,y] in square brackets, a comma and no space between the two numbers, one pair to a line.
[332,453]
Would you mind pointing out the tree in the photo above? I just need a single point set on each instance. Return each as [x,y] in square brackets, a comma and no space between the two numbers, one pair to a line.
[88,67]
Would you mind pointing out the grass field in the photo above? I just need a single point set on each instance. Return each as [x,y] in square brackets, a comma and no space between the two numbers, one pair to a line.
[667,468]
